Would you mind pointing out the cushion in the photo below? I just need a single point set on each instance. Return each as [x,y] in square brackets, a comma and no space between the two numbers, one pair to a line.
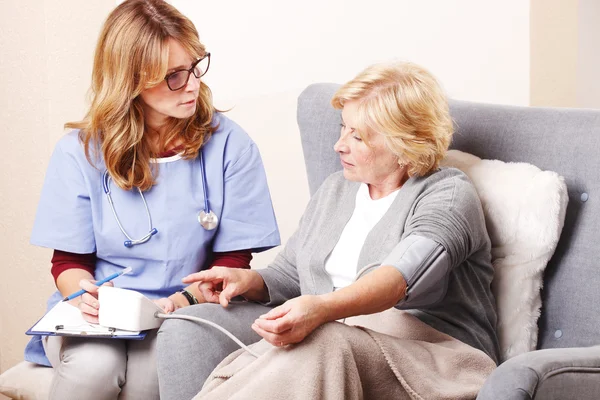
[26,381]
[524,210]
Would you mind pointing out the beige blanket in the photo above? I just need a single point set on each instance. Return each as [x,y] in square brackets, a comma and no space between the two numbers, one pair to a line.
[381,356]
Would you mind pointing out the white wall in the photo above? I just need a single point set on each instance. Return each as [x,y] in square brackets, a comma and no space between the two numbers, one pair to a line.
[45,69]
[478,49]
[265,52]
[553,57]
[588,57]
[565,61]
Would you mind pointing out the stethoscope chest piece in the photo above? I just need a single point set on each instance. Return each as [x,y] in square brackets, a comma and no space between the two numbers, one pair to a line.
[206,217]
[208,221]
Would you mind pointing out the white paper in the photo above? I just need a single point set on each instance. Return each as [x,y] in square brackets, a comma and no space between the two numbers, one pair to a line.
[72,322]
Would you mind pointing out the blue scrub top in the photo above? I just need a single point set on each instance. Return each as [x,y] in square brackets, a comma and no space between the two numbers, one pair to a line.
[74,214]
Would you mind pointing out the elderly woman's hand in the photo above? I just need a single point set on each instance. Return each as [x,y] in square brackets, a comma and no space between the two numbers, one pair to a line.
[292,321]
[220,284]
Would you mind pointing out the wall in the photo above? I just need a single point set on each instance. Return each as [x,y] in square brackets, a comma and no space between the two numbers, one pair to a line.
[44,74]
[479,50]
[588,57]
[265,52]
[565,38]
[554,53]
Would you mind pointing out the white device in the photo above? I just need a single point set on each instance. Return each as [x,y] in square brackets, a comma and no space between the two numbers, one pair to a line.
[127,310]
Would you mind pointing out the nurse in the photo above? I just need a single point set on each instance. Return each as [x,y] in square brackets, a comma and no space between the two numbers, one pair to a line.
[153,178]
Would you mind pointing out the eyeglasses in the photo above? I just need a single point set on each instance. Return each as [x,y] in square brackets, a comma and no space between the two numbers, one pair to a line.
[178,79]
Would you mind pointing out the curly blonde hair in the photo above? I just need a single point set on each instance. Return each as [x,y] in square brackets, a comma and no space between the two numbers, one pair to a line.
[131,56]
[405,103]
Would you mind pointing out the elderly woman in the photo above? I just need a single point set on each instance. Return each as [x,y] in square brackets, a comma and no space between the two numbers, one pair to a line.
[394,239]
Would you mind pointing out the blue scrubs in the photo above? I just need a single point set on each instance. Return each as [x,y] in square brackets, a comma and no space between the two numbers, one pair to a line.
[74,214]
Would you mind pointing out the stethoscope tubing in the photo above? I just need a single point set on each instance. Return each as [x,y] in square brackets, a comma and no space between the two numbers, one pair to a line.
[130,242]
[207,209]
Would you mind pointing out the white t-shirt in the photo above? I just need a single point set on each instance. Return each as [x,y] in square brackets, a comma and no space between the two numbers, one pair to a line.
[341,264]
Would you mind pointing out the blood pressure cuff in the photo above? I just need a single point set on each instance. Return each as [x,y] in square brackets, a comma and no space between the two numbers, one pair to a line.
[425,265]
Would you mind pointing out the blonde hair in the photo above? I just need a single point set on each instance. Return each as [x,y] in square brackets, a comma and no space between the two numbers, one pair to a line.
[131,56]
[404,103]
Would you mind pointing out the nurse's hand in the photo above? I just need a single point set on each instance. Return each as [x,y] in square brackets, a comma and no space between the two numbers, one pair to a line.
[88,302]
[167,304]
[233,281]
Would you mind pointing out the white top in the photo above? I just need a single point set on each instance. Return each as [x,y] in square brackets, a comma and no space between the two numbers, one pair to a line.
[162,160]
[341,264]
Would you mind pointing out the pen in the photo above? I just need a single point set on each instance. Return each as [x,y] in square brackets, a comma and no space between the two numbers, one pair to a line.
[99,283]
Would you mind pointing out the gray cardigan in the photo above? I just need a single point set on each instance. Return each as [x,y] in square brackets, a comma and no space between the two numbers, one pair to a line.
[443,207]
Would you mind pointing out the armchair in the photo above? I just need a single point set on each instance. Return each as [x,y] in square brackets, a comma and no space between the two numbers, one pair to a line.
[566,364]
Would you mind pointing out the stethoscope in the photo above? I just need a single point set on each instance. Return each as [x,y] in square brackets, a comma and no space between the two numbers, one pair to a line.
[206,217]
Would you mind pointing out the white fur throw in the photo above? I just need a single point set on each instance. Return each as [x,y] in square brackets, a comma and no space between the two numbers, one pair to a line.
[524,211]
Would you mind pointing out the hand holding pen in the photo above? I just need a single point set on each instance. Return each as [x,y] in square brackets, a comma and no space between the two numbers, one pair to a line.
[88,304]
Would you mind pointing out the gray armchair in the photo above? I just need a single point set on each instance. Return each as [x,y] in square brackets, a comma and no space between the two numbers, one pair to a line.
[567,141]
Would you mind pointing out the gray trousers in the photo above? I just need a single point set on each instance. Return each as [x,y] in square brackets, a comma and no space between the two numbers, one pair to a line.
[187,351]
[102,369]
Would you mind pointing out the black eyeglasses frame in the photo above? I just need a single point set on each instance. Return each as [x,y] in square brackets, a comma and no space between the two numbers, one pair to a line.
[190,71]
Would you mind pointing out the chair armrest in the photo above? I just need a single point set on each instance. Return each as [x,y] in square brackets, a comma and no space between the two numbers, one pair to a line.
[546,374]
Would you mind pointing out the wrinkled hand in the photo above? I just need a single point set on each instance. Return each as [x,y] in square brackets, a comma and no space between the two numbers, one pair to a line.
[220,284]
[88,302]
[210,291]
[292,321]
[166,304]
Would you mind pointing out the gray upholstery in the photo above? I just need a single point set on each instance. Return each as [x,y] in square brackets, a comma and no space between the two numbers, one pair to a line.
[566,141]
[553,374]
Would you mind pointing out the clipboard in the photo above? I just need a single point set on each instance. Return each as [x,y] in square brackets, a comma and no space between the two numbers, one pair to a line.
[65,319]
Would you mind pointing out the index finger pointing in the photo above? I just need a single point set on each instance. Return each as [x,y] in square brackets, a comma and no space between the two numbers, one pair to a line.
[204,276]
